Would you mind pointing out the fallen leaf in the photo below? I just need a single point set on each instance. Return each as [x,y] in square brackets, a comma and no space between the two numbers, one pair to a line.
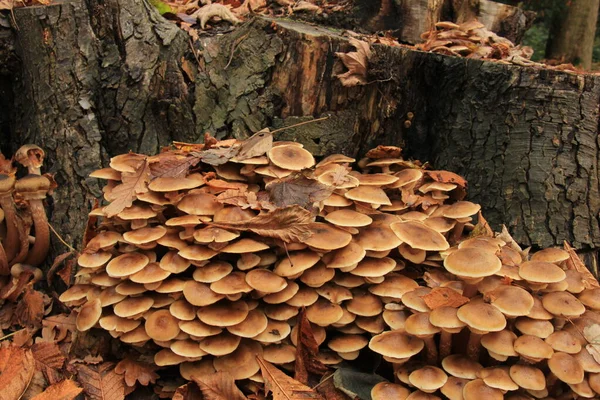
[16,371]
[444,297]
[62,324]
[290,224]
[303,5]
[37,385]
[172,165]
[328,390]
[206,13]
[297,189]
[356,62]
[123,195]
[245,199]
[219,386]
[447,177]
[65,390]
[282,386]
[574,262]
[136,371]
[218,156]
[384,152]
[355,384]
[66,272]
[256,145]
[101,382]
[189,391]
[58,261]
[48,359]
[307,350]
[30,310]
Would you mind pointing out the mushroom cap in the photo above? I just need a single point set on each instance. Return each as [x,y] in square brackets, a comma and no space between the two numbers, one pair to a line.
[395,319]
[265,281]
[244,246]
[566,368]
[541,272]
[106,173]
[213,234]
[415,256]
[281,312]
[187,348]
[533,348]
[461,366]
[126,264]
[233,283]
[364,304]
[151,273]
[182,310]
[477,390]
[94,260]
[368,194]
[136,335]
[374,267]
[291,157]
[453,389]
[324,313]
[200,294]
[346,256]
[394,285]
[224,314]
[109,296]
[419,236]
[171,184]
[414,299]
[564,341]
[161,325]
[527,377]
[137,211]
[387,391]
[472,263]
[199,204]
[590,298]
[512,301]
[296,263]
[550,255]
[327,237]
[428,379]
[198,328]
[348,218]
[285,295]
[347,343]
[118,324]
[279,353]
[446,318]
[335,159]
[212,272]
[396,344]
[167,357]
[275,332]
[219,345]
[88,315]
[254,324]
[461,209]
[501,342]
[418,325]
[241,363]
[482,317]
[196,252]
[74,293]
[186,220]
[534,327]
[538,311]
[33,187]
[104,240]
[132,306]
[171,285]
[562,304]
[498,378]
[173,262]
[583,389]
[375,179]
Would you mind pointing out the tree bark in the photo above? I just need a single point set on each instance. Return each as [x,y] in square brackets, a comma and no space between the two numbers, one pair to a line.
[93,84]
[572,39]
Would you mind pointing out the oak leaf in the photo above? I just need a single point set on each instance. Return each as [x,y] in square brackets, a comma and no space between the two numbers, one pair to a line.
[16,371]
[256,145]
[206,13]
[64,390]
[101,382]
[30,310]
[282,386]
[574,262]
[297,189]
[444,297]
[356,62]
[219,386]
[244,199]
[49,360]
[60,324]
[307,350]
[132,184]
[290,224]
[189,391]
[136,371]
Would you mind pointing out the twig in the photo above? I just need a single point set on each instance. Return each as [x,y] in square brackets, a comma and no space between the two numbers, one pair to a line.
[11,334]
[61,239]
[322,382]
[234,46]
[288,255]
[299,124]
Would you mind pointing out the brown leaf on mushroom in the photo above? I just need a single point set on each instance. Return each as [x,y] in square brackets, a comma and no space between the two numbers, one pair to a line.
[297,189]
[133,183]
[444,297]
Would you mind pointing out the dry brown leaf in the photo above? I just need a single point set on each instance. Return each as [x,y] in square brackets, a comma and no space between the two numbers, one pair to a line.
[206,13]
[242,198]
[382,151]
[64,390]
[447,177]
[30,310]
[574,262]
[297,189]
[482,228]
[444,297]
[328,390]
[218,156]
[290,224]
[303,5]
[172,165]
[282,386]
[133,183]
[356,62]
[256,145]
[6,165]
[60,324]
[58,261]
[48,359]
[307,350]
[219,386]
[189,391]
[16,371]
[136,371]
[101,382]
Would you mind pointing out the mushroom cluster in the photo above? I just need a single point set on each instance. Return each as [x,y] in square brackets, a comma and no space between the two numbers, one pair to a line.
[213,260]
[472,40]
[22,249]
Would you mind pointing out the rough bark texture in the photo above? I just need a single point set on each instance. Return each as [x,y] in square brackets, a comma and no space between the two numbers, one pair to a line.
[94,84]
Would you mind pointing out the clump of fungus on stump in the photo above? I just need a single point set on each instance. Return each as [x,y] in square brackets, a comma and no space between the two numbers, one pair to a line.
[206,255]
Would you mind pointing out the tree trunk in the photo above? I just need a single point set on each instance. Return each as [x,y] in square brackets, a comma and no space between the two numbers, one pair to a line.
[572,40]
[93,84]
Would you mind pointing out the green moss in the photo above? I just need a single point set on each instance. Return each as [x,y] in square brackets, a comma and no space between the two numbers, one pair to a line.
[162,8]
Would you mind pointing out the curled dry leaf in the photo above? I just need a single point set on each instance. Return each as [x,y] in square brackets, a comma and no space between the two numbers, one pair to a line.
[256,145]
[189,391]
[444,297]
[206,13]
[60,325]
[282,386]
[132,184]
[574,262]
[297,189]
[447,177]
[219,386]
[136,371]
[306,352]
[290,224]
[30,310]
[482,228]
[591,333]
[217,156]
[49,360]
[382,151]
[101,382]
[356,62]
[64,390]
[16,371]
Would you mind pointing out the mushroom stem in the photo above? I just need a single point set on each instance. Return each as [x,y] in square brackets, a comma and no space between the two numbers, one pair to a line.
[456,233]
[431,349]
[12,242]
[38,253]
[445,344]
[474,346]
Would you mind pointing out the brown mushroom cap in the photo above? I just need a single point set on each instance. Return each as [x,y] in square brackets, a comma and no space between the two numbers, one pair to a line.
[368,194]
[378,237]
[472,263]
[151,273]
[590,298]
[550,255]
[533,348]
[254,324]
[126,264]
[419,236]
[324,313]
[326,237]
[219,345]
[182,310]
[396,344]
[564,341]
[214,234]
[94,260]
[498,378]
[534,327]
[453,389]
[478,390]
[566,368]
[374,267]
[145,235]
[347,343]
[482,317]
[387,391]
[199,204]
[137,211]
[195,252]
[500,343]
[161,325]
[428,379]
[394,286]
[527,377]
[133,306]
[446,318]
[275,332]
[187,348]
[241,363]
[512,301]
[198,328]
[414,299]
[89,315]
[541,272]
[200,294]
[346,256]
[118,324]
[364,304]
[461,366]
[265,281]
[348,218]
[461,209]
[562,304]
[291,157]
[296,263]
[224,314]
[233,283]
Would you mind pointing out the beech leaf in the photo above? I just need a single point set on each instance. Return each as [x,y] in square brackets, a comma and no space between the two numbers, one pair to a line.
[206,13]
[290,224]
[16,370]
[136,371]
[574,262]
[282,386]
[219,386]
[256,145]
[444,297]
[172,165]
[102,382]
[307,350]
[132,184]
[49,360]
[356,62]
[64,390]
[30,310]
[297,189]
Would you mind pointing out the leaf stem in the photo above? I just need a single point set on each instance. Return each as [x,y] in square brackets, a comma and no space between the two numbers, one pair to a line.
[299,124]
